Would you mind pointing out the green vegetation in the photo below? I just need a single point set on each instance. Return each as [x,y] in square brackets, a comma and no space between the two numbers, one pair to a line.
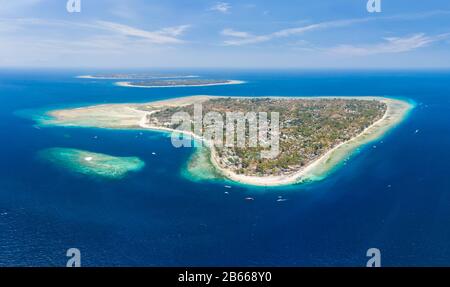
[177,82]
[308,129]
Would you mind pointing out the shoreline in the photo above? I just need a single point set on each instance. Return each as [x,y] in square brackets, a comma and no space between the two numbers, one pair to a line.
[130,117]
[319,168]
[130,85]
[92,77]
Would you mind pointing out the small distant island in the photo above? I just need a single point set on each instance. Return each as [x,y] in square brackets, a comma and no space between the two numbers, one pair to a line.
[135,76]
[177,83]
[316,134]
[91,164]
[146,80]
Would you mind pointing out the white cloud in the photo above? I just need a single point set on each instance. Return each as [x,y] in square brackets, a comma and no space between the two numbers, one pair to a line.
[167,35]
[252,39]
[164,36]
[35,41]
[390,45]
[222,7]
[237,34]
[175,31]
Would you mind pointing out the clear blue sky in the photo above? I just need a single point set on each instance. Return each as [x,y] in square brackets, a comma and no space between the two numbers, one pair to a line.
[241,34]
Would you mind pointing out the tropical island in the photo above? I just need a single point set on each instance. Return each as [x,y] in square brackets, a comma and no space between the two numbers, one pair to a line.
[92,164]
[177,83]
[134,76]
[146,80]
[316,134]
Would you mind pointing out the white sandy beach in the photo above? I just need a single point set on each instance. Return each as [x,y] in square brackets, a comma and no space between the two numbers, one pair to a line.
[130,85]
[93,77]
[128,116]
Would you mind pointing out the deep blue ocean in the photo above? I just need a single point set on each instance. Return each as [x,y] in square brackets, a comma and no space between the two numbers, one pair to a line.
[395,197]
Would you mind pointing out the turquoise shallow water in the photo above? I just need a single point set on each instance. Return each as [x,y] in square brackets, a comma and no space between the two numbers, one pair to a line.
[395,197]
[94,165]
